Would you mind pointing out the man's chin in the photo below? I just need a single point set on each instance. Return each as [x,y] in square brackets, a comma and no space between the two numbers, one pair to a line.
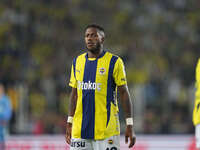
[93,50]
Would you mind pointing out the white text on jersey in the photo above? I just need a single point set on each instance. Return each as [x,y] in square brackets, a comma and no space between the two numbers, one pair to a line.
[89,85]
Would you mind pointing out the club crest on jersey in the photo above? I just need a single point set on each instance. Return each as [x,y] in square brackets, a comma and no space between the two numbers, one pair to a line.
[110,141]
[102,71]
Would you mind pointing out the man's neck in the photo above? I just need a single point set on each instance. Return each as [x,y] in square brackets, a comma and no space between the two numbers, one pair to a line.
[94,55]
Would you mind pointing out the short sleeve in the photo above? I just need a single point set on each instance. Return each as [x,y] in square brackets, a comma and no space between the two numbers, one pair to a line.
[72,81]
[119,73]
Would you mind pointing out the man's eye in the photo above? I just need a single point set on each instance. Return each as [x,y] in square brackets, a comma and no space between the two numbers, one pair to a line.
[91,35]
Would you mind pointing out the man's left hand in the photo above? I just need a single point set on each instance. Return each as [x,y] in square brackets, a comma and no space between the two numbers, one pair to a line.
[130,134]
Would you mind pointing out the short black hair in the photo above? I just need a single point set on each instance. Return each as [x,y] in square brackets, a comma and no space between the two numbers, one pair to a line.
[95,26]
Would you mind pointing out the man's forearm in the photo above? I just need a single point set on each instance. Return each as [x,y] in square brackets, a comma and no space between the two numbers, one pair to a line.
[72,107]
[72,102]
[126,102]
[127,105]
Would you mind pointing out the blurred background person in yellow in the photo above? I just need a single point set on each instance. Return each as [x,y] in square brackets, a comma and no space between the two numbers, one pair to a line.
[196,112]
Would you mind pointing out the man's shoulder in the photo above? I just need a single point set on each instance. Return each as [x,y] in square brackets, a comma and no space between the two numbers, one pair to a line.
[198,62]
[116,57]
[79,56]
[112,55]
[82,54]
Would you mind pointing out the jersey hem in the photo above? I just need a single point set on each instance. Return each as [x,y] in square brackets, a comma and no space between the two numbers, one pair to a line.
[77,137]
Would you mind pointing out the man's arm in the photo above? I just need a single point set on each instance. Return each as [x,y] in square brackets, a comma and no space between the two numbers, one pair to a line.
[72,102]
[72,107]
[127,107]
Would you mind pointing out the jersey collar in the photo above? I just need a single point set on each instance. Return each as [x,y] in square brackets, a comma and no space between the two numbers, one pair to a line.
[101,55]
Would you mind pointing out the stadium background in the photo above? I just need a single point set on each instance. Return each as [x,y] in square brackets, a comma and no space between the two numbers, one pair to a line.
[158,41]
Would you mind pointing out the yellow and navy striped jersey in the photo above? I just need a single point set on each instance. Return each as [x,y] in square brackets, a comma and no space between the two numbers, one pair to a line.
[196,111]
[96,80]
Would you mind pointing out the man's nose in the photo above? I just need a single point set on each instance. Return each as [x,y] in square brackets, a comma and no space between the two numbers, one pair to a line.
[89,38]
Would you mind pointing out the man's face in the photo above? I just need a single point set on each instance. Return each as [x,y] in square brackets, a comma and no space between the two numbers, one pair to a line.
[93,40]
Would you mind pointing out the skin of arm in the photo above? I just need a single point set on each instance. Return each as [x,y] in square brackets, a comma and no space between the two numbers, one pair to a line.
[127,107]
[72,108]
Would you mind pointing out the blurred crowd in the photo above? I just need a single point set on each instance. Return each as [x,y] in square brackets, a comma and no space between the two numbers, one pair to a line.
[158,41]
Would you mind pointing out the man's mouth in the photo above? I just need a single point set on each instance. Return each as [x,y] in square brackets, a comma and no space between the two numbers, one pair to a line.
[90,44]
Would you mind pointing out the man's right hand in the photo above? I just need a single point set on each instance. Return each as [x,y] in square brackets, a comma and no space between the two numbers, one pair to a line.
[68,132]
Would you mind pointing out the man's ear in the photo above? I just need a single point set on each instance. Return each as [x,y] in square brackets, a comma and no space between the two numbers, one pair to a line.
[101,36]
[102,39]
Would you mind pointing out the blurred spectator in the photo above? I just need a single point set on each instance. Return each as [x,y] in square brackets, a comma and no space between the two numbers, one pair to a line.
[5,114]
[196,111]
[14,99]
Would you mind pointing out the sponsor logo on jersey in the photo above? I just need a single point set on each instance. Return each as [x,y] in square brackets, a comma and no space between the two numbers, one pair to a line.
[89,85]
[102,71]
[77,144]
